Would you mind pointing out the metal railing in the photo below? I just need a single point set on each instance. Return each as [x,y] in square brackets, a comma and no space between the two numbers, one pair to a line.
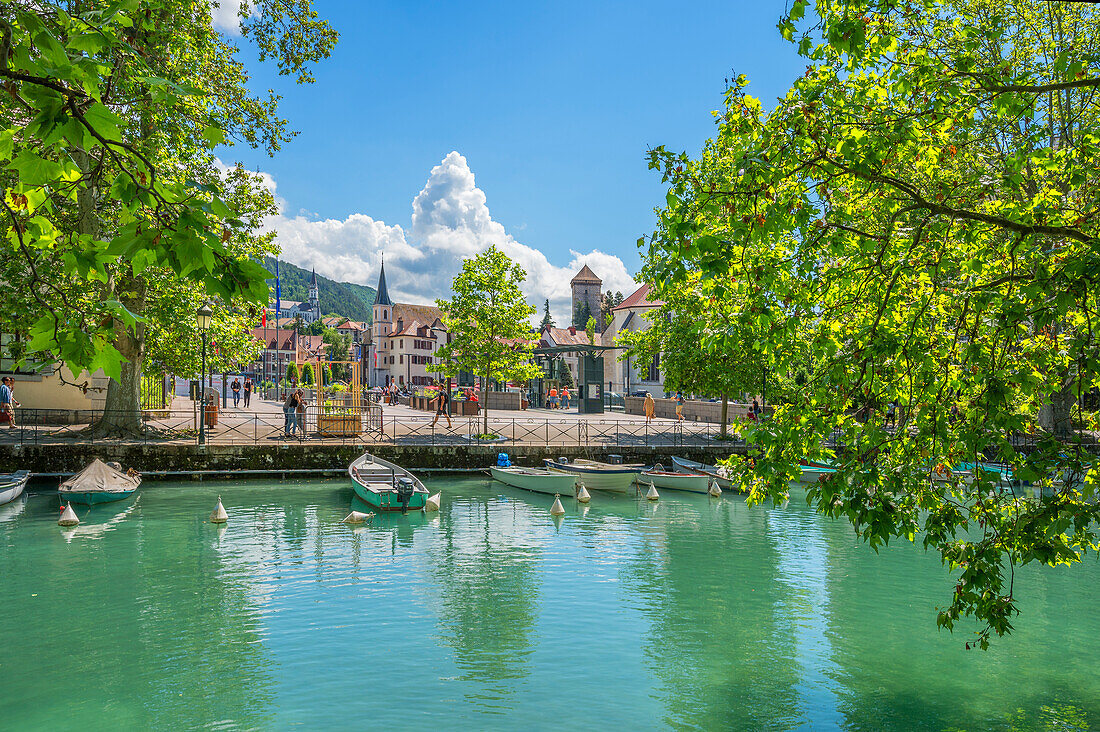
[319,425]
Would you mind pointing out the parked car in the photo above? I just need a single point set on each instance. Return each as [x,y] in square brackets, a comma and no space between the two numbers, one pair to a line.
[613,401]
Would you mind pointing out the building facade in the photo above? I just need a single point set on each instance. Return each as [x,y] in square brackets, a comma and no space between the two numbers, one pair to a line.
[625,376]
[403,340]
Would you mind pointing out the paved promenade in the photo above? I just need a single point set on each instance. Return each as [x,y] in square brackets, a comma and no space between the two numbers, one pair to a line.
[263,423]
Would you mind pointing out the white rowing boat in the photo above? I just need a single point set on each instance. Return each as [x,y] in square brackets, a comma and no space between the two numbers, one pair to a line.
[596,475]
[690,482]
[12,485]
[539,480]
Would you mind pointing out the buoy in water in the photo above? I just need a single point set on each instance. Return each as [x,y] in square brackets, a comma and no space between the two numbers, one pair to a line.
[358,517]
[714,489]
[68,517]
[582,494]
[652,495]
[219,516]
[557,509]
[432,504]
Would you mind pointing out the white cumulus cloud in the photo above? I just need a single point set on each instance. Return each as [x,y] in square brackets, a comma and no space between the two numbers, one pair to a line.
[226,16]
[450,222]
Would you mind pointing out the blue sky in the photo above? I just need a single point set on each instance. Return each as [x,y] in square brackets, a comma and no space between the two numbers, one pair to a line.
[550,107]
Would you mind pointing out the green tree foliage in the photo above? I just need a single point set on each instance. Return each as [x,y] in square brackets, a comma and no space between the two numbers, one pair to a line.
[546,319]
[307,374]
[111,192]
[292,373]
[590,330]
[931,188]
[488,321]
[336,349]
[581,314]
[706,345]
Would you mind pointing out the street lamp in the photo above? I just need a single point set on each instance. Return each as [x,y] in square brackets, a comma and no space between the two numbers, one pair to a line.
[203,315]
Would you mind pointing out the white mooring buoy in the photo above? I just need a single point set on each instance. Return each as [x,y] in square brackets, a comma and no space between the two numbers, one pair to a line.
[68,517]
[652,494]
[582,494]
[432,504]
[358,517]
[557,509]
[715,491]
[219,516]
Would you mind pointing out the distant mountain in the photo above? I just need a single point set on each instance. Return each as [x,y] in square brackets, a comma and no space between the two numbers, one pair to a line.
[343,298]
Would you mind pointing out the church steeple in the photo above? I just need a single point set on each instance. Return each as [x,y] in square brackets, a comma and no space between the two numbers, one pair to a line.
[314,295]
[383,296]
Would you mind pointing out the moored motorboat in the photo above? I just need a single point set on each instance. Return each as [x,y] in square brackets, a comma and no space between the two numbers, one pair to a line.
[814,471]
[539,480]
[99,483]
[713,471]
[596,475]
[691,482]
[12,485]
[384,486]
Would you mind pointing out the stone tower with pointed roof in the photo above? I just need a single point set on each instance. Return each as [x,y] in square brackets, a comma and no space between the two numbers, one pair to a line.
[586,291]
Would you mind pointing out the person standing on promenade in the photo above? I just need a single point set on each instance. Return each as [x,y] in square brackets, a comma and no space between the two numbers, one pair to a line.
[553,398]
[290,412]
[442,402]
[891,414]
[680,406]
[247,391]
[649,405]
[7,401]
[236,387]
[564,398]
[300,413]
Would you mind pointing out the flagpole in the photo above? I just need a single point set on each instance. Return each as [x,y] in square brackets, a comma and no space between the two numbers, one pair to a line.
[278,308]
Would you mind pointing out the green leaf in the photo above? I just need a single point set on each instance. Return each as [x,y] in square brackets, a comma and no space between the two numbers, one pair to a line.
[34,170]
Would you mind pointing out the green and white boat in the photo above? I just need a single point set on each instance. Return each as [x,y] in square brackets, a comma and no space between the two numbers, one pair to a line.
[538,480]
[99,483]
[386,487]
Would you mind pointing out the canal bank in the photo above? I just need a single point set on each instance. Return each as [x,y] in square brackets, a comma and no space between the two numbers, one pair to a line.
[180,461]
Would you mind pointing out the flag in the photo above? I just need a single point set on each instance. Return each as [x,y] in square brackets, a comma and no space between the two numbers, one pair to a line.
[278,292]
[263,322]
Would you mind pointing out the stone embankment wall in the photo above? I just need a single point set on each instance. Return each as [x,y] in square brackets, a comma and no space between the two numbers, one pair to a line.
[694,411]
[180,461]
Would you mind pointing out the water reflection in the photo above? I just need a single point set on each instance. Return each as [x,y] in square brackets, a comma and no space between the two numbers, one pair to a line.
[487,571]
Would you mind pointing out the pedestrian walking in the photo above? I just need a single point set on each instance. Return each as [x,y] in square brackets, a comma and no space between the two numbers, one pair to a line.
[442,402]
[891,413]
[553,398]
[236,387]
[754,410]
[649,405]
[565,398]
[8,403]
[247,391]
[680,406]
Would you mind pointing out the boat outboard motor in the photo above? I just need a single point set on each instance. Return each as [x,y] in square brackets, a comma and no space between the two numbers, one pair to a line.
[405,490]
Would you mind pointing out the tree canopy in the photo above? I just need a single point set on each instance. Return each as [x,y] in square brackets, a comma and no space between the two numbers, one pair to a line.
[113,199]
[920,209]
[488,323]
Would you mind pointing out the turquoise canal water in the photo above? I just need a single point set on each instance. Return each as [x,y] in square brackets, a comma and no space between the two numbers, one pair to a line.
[691,613]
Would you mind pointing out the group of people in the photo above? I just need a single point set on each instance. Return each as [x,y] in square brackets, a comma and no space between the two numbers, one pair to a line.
[236,387]
[294,413]
[556,400]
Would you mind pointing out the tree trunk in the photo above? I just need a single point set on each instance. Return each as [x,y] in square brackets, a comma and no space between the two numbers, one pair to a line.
[122,411]
[1056,416]
[725,416]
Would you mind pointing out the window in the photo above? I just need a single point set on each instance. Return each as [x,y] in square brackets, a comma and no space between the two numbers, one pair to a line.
[653,373]
[11,348]
[402,343]
[401,359]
